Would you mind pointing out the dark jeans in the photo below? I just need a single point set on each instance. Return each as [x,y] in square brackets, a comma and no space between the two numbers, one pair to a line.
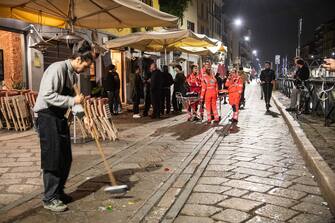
[54,182]
[267,89]
[242,95]
[147,103]
[166,101]
[156,103]
[114,100]
[177,107]
[56,154]
[136,104]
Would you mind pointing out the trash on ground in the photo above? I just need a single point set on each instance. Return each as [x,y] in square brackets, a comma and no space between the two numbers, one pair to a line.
[324,203]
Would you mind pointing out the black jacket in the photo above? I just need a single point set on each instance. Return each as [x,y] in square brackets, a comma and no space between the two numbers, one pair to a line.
[156,81]
[136,86]
[112,82]
[167,80]
[146,81]
[302,74]
[220,81]
[268,75]
[180,83]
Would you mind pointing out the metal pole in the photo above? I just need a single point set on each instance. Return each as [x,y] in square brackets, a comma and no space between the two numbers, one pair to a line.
[299,37]
[187,65]
[165,56]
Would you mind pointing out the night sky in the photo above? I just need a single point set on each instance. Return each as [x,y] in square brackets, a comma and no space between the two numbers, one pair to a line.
[274,23]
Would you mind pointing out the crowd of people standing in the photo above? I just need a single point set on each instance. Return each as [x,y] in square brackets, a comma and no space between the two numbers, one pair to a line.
[202,83]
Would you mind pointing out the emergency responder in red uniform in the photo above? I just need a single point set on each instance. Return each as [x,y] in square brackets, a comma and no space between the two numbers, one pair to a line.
[209,94]
[202,73]
[194,82]
[235,88]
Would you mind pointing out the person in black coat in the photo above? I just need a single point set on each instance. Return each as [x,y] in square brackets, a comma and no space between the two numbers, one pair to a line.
[219,79]
[137,91]
[112,87]
[179,86]
[156,89]
[267,80]
[147,91]
[301,75]
[167,80]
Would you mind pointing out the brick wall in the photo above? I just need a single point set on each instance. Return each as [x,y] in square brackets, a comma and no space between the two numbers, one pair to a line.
[12,50]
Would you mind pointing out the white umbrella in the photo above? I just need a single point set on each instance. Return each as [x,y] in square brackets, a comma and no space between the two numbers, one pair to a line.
[95,14]
[158,41]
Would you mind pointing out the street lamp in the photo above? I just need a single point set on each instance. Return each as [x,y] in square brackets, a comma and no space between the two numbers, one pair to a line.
[238,22]
[257,59]
[254,52]
[333,53]
[247,38]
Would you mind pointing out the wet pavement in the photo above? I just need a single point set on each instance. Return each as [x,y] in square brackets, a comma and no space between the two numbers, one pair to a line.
[192,172]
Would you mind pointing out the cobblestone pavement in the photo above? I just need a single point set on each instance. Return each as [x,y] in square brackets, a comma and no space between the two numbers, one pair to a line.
[256,175]
[321,136]
[189,172]
[20,173]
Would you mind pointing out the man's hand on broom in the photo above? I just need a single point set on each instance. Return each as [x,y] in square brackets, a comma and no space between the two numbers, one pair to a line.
[79,99]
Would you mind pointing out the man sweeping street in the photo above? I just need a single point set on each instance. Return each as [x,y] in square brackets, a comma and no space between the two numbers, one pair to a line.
[55,97]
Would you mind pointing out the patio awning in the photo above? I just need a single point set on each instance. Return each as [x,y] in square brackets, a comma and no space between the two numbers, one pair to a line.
[159,41]
[219,47]
[94,14]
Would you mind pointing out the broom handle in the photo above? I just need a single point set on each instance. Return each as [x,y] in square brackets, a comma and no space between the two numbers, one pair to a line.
[100,150]
[109,171]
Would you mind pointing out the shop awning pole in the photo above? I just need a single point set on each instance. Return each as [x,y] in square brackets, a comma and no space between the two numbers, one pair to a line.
[165,56]
[187,63]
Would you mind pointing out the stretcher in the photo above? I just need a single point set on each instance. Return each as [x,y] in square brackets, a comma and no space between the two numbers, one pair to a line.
[222,95]
[188,101]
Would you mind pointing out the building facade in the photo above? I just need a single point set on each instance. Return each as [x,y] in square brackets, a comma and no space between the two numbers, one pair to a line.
[323,44]
[210,18]
[190,19]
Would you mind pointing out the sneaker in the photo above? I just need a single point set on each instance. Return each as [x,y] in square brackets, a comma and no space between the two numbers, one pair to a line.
[136,116]
[65,198]
[55,205]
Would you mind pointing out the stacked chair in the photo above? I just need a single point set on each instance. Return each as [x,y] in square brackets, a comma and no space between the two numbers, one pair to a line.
[16,109]
[16,112]
[99,115]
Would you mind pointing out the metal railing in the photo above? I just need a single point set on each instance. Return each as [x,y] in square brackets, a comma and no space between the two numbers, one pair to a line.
[322,96]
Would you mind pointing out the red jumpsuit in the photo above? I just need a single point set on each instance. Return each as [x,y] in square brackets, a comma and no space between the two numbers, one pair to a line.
[194,81]
[235,88]
[201,75]
[209,92]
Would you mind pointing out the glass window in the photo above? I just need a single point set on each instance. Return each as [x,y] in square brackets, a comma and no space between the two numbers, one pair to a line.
[190,25]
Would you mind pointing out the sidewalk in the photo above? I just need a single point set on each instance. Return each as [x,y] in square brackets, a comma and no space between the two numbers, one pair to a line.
[321,136]
[20,176]
[188,172]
